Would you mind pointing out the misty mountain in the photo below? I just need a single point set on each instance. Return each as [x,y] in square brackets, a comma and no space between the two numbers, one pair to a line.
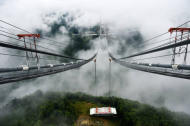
[77,41]
[53,109]
[80,38]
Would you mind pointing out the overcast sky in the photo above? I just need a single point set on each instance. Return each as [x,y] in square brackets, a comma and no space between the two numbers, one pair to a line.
[151,16]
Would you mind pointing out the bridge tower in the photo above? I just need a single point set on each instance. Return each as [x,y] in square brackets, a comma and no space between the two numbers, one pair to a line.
[34,36]
[181,30]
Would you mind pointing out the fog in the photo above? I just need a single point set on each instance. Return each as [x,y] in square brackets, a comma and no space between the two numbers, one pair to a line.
[124,18]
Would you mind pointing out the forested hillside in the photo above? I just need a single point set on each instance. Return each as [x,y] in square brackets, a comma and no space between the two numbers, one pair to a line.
[64,109]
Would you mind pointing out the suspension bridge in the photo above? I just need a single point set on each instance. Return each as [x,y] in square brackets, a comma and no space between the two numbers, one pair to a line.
[177,44]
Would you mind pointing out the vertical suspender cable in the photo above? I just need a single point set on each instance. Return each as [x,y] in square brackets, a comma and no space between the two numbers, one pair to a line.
[95,76]
[109,92]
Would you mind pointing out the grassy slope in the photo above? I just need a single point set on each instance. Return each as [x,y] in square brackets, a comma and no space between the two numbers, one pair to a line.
[58,109]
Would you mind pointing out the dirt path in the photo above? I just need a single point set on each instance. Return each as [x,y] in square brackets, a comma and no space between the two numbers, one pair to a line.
[84,120]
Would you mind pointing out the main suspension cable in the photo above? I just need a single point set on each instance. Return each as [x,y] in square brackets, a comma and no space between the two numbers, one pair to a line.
[28,31]
[157,36]
[6,45]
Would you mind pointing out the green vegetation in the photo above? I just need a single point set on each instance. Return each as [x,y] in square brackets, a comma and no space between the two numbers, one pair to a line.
[63,109]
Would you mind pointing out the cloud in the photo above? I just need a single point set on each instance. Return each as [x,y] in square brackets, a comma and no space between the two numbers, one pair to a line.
[148,17]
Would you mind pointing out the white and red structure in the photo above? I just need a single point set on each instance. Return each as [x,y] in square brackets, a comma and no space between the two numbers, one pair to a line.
[34,36]
[181,30]
[103,111]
